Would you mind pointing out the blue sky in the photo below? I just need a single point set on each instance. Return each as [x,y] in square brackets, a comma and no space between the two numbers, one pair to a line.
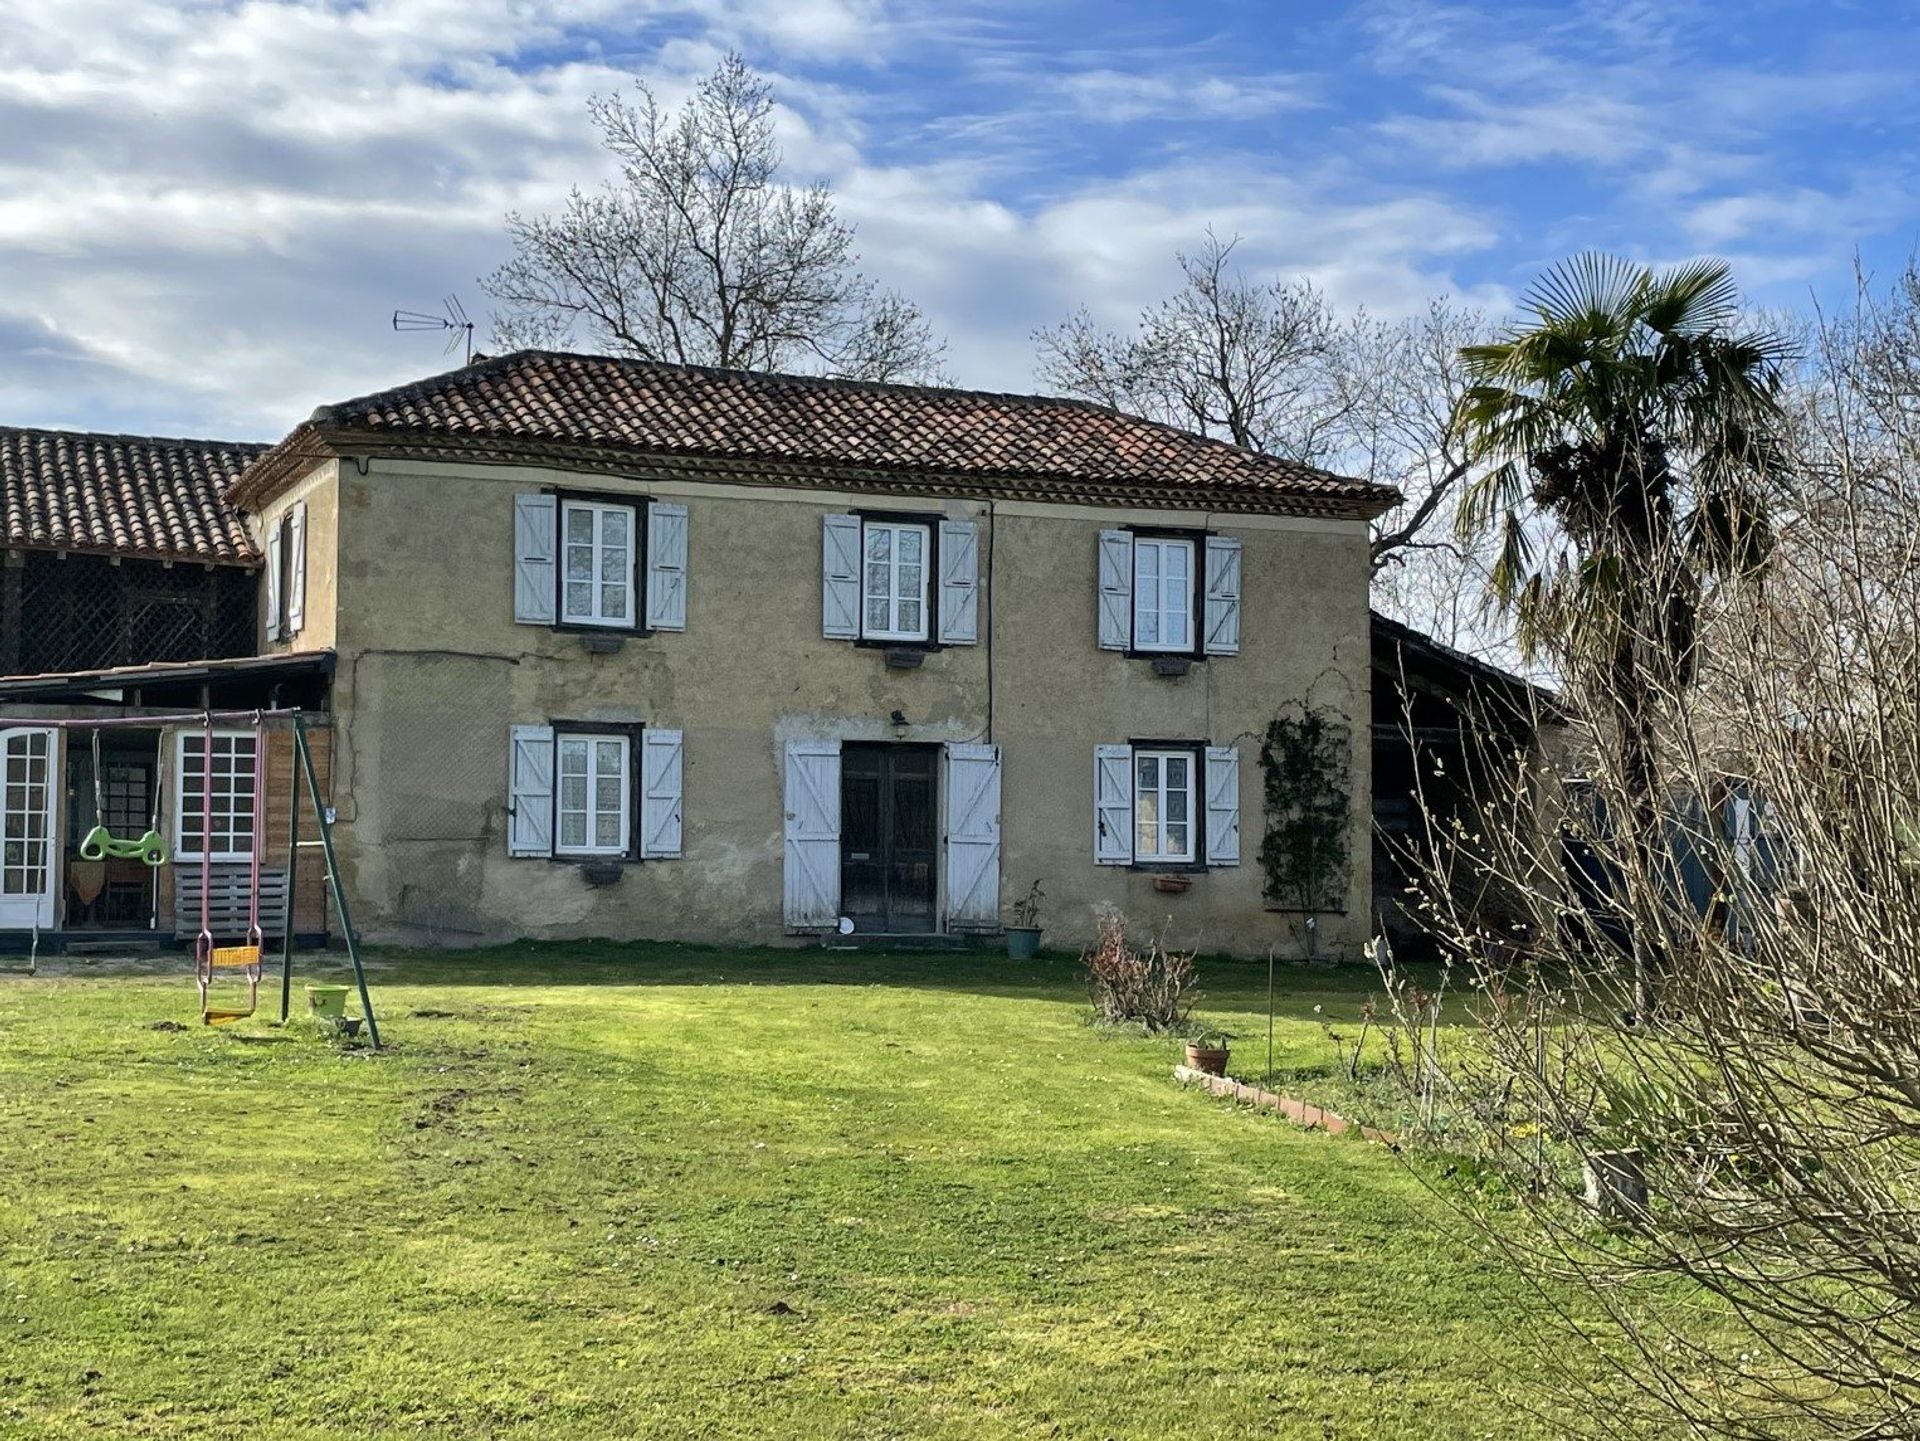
[208,211]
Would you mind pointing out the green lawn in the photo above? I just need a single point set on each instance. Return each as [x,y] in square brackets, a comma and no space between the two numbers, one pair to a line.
[605,1190]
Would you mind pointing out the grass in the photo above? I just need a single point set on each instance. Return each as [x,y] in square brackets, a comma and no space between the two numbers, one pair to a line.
[600,1190]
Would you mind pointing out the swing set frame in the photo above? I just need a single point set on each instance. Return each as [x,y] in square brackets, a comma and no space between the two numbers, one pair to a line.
[303,777]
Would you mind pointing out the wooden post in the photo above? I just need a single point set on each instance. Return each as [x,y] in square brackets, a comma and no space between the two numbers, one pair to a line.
[1616,1183]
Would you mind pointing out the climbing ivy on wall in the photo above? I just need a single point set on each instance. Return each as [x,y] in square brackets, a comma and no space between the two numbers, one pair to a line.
[1306,761]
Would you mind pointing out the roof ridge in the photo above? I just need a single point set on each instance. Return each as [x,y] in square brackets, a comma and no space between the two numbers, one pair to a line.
[116,435]
[492,364]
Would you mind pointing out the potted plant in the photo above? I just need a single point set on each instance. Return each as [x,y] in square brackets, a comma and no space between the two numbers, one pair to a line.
[1207,1051]
[1023,936]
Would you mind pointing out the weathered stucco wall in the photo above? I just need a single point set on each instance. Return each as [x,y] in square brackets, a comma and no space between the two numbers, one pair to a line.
[320,493]
[433,671]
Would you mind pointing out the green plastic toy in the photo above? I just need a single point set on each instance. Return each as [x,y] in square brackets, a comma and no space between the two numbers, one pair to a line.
[101,844]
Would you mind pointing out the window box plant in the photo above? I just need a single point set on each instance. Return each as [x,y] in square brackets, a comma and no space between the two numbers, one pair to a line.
[1023,936]
[1207,1051]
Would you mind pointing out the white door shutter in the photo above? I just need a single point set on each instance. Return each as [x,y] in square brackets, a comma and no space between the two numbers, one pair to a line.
[662,771]
[297,568]
[840,576]
[530,791]
[666,566]
[535,539]
[811,873]
[959,582]
[273,584]
[1223,806]
[1113,805]
[973,836]
[1223,595]
[1116,589]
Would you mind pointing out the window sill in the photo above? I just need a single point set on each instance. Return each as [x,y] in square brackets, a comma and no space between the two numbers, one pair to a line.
[1169,868]
[875,642]
[587,627]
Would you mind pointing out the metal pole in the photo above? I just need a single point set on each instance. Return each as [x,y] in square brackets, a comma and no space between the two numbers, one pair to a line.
[293,878]
[149,722]
[1269,1015]
[333,877]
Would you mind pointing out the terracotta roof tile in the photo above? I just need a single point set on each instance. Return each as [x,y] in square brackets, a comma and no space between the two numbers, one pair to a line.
[123,495]
[914,432]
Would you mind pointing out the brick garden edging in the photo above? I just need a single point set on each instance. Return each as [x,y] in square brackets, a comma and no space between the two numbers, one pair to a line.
[1312,1118]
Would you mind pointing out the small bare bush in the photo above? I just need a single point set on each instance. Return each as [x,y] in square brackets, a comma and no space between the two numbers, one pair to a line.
[1151,986]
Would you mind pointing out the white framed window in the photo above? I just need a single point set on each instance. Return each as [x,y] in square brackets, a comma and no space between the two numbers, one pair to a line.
[1163,805]
[596,570]
[235,791]
[593,797]
[894,589]
[1162,594]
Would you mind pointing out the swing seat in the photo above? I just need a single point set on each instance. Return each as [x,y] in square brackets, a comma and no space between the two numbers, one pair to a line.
[230,958]
[224,1017]
[101,844]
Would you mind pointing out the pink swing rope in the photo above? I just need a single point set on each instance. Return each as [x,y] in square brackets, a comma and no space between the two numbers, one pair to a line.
[203,943]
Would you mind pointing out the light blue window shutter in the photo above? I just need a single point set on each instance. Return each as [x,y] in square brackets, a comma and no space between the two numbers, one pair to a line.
[959,582]
[1116,589]
[810,874]
[666,566]
[297,568]
[274,631]
[1223,806]
[973,836]
[840,576]
[1223,595]
[535,539]
[530,791]
[662,780]
[1113,805]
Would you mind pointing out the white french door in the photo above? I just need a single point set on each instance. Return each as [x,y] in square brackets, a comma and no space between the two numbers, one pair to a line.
[27,791]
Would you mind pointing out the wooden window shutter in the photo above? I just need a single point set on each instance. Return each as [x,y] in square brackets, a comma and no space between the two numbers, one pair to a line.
[840,577]
[666,566]
[1113,805]
[535,566]
[1223,806]
[959,582]
[1116,590]
[662,780]
[274,556]
[1223,595]
[297,568]
[530,791]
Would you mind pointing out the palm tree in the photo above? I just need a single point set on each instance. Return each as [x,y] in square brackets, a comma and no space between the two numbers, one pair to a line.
[1630,432]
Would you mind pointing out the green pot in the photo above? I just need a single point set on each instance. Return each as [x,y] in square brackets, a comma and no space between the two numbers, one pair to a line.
[327,1003]
[1023,942]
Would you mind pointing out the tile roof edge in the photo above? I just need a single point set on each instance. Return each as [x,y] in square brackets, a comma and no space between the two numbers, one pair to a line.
[126,437]
[344,412]
[270,472]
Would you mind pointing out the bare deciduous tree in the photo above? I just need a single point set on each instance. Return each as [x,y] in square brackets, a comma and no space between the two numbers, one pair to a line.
[1734,1182]
[702,255]
[1269,366]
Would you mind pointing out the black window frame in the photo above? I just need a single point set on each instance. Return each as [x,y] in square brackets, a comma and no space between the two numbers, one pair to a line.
[632,731]
[930,604]
[639,506]
[1198,537]
[1197,816]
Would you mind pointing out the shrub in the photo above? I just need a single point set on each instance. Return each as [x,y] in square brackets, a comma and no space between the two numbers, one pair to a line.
[1151,987]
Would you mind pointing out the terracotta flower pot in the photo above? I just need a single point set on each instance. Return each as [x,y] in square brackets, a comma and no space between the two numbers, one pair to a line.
[1213,1063]
[1173,885]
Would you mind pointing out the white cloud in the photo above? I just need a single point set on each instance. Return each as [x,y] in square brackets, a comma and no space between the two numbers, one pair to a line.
[213,210]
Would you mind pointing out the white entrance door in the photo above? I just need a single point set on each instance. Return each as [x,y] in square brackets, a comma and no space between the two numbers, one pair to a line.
[26,828]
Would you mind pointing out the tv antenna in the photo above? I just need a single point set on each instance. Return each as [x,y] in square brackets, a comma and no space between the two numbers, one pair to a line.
[452,319]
